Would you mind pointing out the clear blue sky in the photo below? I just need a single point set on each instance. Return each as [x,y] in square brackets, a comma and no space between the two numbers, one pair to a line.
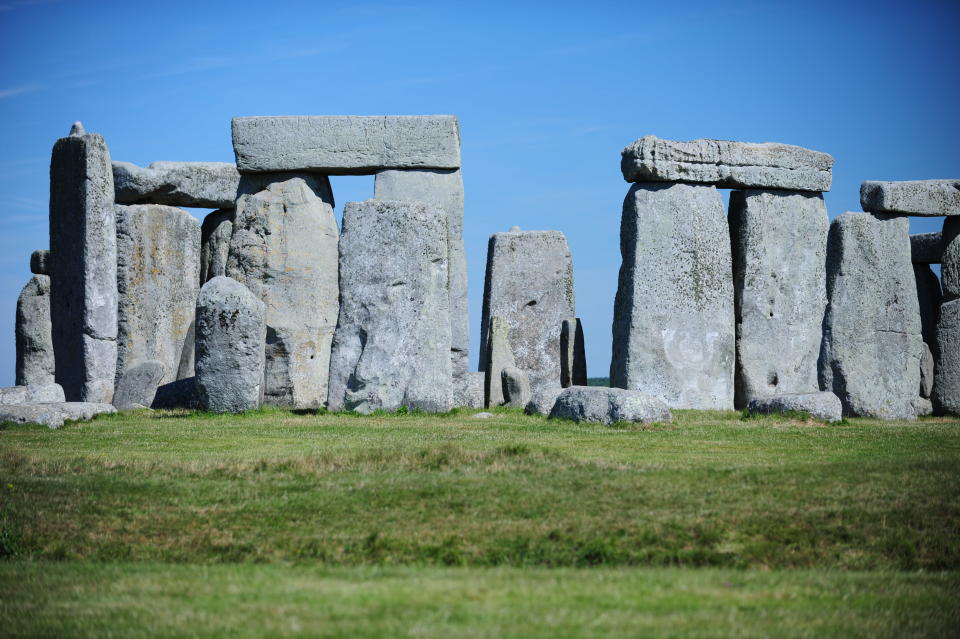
[547,96]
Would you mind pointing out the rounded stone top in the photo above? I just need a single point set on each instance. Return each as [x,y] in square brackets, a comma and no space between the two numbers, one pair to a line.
[514,229]
[77,128]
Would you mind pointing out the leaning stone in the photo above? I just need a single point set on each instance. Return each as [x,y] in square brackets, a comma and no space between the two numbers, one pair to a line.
[158,275]
[499,355]
[779,243]
[443,188]
[573,358]
[83,275]
[542,400]
[727,164]
[40,262]
[468,390]
[929,296]
[392,343]
[34,341]
[53,415]
[946,385]
[137,386]
[930,198]
[926,248]
[38,393]
[346,144]
[230,338]
[210,185]
[215,233]
[822,405]
[609,406]
[673,326]
[872,339]
[516,387]
[927,368]
[950,265]
[284,249]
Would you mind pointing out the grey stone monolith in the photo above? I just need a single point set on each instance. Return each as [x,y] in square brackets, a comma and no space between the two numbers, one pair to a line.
[950,264]
[542,401]
[779,244]
[516,387]
[392,343]
[529,283]
[498,355]
[40,262]
[443,188]
[673,319]
[468,390]
[926,248]
[925,198]
[209,185]
[929,297]
[83,273]
[215,233]
[137,386]
[231,333]
[821,405]
[605,405]
[158,278]
[872,339]
[284,249]
[573,357]
[946,385]
[34,341]
[927,371]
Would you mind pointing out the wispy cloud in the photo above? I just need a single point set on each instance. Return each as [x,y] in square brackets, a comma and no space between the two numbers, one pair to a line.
[12,91]
[12,5]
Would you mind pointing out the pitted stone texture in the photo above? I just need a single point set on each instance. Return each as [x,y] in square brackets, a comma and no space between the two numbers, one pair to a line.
[728,164]
[516,387]
[231,333]
[468,390]
[346,144]
[929,297]
[392,343]
[284,249]
[609,406]
[573,358]
[925,198]
[872,339]
[927,369]
[529,283]
[926,248]
[34,341]
[137,386]
[499,355]
[54,414]
[946,386]
[822,405]
[673,326]
[542,400]
[445,189]
[41,393]
[40,262]
[215,233]
[779,243]
[198,184]
[83,273]
[158,278]
[950,265]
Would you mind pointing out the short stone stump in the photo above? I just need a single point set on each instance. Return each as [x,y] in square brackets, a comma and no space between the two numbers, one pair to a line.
[608,406]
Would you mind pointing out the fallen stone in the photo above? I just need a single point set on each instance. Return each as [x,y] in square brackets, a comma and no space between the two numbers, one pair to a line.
[34,340]
[137,386]
[926,248]
[215,234]
[821,405]
[573,358]
[499,355]
[468,390]
[542,400]
[346,144]
[727,164]
[927,368]
[392,343]
[38,393]
[53,415]
[931,198]
[608,406]
[872,339]
[950,265]
[516,387]
[197,184]
[946,385]
[40,262]
[230,337]
[779,244]
[673,327]
[83,276]
[929,297]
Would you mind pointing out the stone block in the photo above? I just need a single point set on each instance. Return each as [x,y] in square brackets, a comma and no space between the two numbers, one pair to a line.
[821,405]
[205,185]
[38,393]
[34,339]
[53,414]
[946,385]
[929,297]
[542,400]
[499,355]
[40,262]
[950,264]
[926,248]
[573,357]
[603,405]
[927,369]
[924,198]
[215,234]
[137,386]
[468,390]
[516,387]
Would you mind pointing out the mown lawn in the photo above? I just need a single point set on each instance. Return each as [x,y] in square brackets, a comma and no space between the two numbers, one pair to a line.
[193,525]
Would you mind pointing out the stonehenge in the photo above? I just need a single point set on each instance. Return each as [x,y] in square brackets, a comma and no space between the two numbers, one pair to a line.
[197,184]
[924,198]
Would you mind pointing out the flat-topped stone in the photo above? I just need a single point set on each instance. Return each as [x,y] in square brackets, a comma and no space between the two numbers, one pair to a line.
[926,248]
[923,198]
[198,184]
[608,406]
[823,405]
[346,144]
[723,163]
[53,415]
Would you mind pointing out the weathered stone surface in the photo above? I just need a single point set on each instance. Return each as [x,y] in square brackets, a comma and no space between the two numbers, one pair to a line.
[573,357]
[34,341]
[40,262]
[468,390]
[215,234]
[927,369]
[499,355]
[83,273]
[443,188]
[673,326]
[529,283]
[923,406]
[179,394]
[392,343]
[723,163]
[158,279]
[946,385]
[608,406]
[950,265]
[872,341]
[53,415]
[779,244]
[346,144]
[929,297]
[198,184]
[231,332]
[516,387]
[284,249]
[542,400]
[13,395]
[137,386]
[926,248]
[930,198]
[821,405]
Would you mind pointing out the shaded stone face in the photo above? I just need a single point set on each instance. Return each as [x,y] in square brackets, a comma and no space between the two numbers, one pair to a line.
[137,387]
[215,233]
[926,248]
[516,387]
[608,406]
[946,385]
[573,358]
[673,326]
[40,262]
[926,198]
[195,184]
[499,356]
[929,297]
[34,341]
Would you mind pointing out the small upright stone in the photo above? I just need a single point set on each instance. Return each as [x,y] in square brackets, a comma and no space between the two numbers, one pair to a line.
[927,198]
[573,358]
[34,342]
[516,387]
[215,233]
[40,262]
[498,356]
[608,406]
[137,386]
[77,129]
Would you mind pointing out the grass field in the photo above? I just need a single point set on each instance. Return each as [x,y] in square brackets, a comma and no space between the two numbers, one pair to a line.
[282,524]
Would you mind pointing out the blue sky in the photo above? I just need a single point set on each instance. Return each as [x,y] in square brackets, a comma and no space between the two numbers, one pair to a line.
[547,96]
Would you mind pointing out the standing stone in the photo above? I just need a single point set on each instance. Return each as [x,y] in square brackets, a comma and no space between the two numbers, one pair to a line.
[215,233]
[673,326]
[498,356]
[392,343]
[83,274]
[871,343]
[946,385]
[40,262]
[468,390]
[231,333]
[284,248]
[529,284]
[158,275]
[779,243]
[443,188]
[929,297]
[927,370]
[137,387]
[34,342]
[516,387]
[573,357]
[950,264]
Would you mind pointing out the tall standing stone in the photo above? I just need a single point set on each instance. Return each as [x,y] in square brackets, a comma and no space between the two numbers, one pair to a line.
[35,362]
[83,277]
[284,248]
[573,357]
[946,385]
[215,233]
[392,343]
[871,342]
[779,244]
[929,296]
[673,320]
